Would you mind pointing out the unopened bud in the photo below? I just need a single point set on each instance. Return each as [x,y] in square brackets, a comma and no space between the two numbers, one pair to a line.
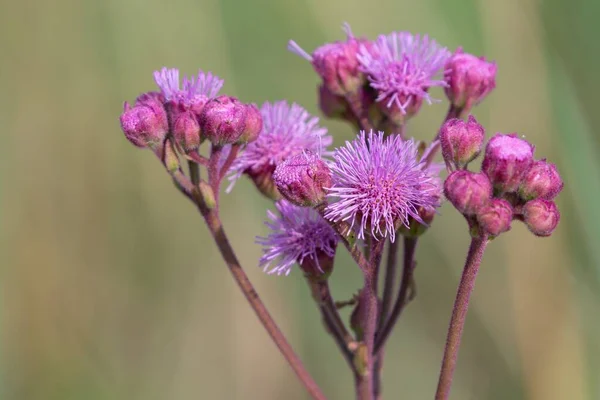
[253,125]
[470,79]
[331,105]
[303,179]
[495,217]
[507,159]
[542,180]
[186,131]
[461,141]
[223,120]
[263,180]
[541,216]
[145,125]
[468,191]
[318,269]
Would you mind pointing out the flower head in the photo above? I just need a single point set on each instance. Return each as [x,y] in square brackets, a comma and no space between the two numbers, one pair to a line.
[223,120]
[298,235]
[468,191]
[541,216]
[336,63]
[470,79]
[507,159]
[193,92]
[379,183]
[287,130]
[461,141]
[145,124]
[303,179]
[402,67]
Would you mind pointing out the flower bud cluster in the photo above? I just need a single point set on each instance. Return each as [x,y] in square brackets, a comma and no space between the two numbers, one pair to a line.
[511,184]
[190,114]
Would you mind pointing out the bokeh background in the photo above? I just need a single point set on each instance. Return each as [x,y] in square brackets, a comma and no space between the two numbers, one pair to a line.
[112,288]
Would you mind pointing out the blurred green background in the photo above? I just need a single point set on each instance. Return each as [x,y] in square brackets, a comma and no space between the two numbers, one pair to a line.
[112,288]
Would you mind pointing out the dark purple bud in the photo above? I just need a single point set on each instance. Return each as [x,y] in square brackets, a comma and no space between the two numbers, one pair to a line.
[223,120]
[470,79]
[303,179]
[468,191]
[331,105]
[146,124]
[461,141]
[186,131]
[318,269]
[542,180]
[263,180]
[541,216]
[253,125]
[495,217]
[507,159]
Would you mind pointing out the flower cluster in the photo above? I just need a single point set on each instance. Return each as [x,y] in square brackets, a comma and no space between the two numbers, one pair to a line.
[511,184]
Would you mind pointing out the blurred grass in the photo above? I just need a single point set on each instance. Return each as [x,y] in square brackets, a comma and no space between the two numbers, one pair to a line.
[111,288]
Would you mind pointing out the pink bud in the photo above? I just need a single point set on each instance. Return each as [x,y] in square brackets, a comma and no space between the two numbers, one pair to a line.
[337,64]
[495,217]
[468,191]
[145,125]
[541,216]
[149,98]
[186,131]
[253,125]
[506,160]
[541,181]
[303,179]
[470,79]
[223,120]
[461,141]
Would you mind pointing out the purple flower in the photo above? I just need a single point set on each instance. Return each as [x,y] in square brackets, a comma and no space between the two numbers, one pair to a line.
[193,90]
[286,131]
[298,234]
[379,183]
[402,67]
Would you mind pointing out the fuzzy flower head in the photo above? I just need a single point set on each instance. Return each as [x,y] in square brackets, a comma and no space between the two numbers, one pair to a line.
[336,63]
[287,130]
[402,67]
[379,183]
[298,235]
[193,91]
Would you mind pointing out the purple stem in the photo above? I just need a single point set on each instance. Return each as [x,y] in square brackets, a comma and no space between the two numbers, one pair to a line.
[459,314]
[410,246]
[215,227]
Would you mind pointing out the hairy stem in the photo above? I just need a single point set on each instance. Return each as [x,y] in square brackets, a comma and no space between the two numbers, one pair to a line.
[459,314]
[410,246]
